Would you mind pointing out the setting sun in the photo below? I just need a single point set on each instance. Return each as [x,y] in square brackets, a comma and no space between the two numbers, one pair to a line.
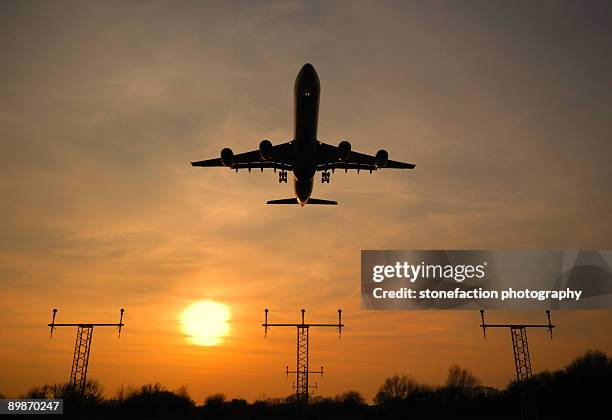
[206,322]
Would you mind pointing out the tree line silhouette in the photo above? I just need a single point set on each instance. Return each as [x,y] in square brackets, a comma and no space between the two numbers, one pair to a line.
[577,391]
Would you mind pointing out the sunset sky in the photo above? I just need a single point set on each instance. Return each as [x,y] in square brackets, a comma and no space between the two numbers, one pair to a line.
[504,107]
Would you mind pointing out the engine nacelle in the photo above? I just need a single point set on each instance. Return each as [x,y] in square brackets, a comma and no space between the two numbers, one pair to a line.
[227,156]
[382,158]
[265,149]
[344,150]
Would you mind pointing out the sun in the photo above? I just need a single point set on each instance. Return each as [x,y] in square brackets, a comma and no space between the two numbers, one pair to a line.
[206,322]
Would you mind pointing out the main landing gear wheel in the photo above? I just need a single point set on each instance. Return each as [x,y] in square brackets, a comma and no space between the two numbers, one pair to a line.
[282,177]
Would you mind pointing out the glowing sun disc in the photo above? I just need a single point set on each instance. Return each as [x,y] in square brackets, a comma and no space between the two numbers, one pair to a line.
[206,322]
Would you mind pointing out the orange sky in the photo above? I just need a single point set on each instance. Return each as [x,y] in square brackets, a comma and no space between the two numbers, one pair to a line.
[504,109]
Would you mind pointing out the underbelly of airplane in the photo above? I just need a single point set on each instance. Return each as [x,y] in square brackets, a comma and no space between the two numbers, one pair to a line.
[303,188]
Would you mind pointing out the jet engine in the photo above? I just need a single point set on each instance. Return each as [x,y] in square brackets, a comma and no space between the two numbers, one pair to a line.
[382,158]
[227,156]
[265,149]
[344,150]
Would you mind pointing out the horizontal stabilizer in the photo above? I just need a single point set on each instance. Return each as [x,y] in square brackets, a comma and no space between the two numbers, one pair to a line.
[319,201]
[284,201]
[310,201]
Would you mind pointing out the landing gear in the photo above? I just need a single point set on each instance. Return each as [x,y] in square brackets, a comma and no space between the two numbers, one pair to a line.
[325,177]
[282,177]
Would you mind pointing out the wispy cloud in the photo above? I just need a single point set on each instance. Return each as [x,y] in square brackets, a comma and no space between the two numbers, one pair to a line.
[504,109]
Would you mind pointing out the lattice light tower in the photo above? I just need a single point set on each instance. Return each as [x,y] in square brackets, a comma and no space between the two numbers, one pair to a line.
[302,371]
[518,332]
[522,361]
[82,347]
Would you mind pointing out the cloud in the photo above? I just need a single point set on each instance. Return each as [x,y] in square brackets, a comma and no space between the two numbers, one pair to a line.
[503,109]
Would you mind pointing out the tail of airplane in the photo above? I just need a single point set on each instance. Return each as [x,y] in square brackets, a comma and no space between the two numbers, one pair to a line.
[310,201]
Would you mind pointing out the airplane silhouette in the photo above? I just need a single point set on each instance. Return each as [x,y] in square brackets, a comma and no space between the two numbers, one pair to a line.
[304,155]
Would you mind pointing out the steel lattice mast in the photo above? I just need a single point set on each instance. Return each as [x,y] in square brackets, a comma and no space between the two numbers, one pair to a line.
[302,371]
[522,361]
[518,332]
[82,349]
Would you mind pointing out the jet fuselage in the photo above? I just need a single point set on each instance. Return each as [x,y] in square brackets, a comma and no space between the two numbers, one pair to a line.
[307,90]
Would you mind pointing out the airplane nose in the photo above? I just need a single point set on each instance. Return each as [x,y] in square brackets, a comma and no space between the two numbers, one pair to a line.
[308,67]
[308,71]
[307,78]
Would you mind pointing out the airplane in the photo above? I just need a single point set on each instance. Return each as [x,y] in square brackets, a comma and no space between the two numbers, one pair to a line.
[305,155]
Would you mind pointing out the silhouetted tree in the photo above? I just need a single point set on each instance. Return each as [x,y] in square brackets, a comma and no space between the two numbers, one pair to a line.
[581,387]
[153,400]
[92,392]
[350,398]
[37,392]
[396,388]
[125,392]
[214,404]
[215,400]
[182,391]
[594,365]
[461,381]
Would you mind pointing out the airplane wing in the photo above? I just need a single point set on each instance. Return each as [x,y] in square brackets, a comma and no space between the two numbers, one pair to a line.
[328,158]
[281,157]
